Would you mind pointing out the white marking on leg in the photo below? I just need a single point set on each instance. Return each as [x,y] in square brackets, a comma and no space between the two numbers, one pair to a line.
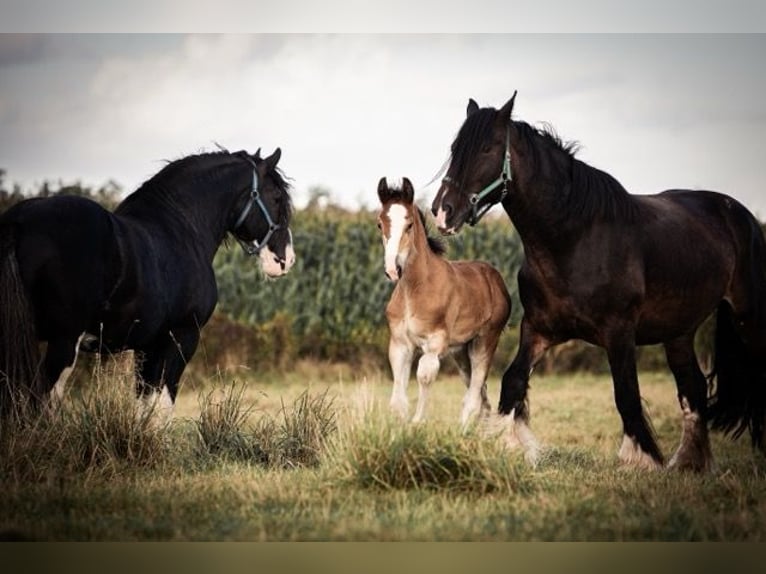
[157,406]
[514,432]
[428,368]
[397,214]
[56,395]
[632,454]
[693,451]
[475,399]
[400,358]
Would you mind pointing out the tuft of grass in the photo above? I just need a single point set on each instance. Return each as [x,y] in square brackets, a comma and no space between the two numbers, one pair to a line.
[422,457]
[296,437]
[304,430]
[222,426]
[99,431]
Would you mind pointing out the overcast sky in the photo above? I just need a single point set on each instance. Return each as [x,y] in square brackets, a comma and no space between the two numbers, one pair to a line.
[655,111]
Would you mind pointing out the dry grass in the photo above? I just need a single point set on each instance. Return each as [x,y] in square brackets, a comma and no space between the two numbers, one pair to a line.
[340,468]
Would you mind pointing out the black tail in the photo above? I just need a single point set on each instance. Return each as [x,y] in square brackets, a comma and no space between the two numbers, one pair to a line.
[19,352]
[738,401]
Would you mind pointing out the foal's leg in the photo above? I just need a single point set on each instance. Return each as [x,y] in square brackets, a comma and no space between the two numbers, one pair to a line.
[480,350]
[428,368]
[513,392]
[694,451]
[638,445]
[400,354]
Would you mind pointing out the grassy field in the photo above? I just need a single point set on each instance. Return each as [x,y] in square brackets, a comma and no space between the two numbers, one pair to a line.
[314,455]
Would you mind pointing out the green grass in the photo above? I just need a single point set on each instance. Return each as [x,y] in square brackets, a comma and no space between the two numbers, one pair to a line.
[319,458]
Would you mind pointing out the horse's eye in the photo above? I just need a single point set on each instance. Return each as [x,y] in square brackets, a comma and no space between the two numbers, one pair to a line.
[379,225]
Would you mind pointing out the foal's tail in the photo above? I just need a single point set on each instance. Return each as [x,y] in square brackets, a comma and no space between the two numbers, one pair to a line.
[19,352]
[738,402]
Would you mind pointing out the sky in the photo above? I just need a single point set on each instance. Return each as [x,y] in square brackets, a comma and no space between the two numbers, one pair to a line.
[656,111]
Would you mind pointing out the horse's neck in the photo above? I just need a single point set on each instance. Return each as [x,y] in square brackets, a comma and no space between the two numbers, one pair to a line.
[422,263]
[200,219]
[535,201]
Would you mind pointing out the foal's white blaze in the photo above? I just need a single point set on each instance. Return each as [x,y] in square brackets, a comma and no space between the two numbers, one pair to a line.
[397,215]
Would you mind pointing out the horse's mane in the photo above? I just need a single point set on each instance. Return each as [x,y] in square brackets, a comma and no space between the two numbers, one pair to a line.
[586,192]
[197,171]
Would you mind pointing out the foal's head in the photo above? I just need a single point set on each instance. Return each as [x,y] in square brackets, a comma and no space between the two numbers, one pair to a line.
[395,221]
[401,225]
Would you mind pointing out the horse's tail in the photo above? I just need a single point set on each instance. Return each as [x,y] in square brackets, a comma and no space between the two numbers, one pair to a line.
[19,351]
[738,401]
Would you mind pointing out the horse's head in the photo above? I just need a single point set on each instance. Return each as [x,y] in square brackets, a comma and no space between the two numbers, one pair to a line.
[262,221]
[479,172]
[395,222]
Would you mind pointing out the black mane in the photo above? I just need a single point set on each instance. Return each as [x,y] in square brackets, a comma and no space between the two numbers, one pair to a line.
[586,192]
[187,174]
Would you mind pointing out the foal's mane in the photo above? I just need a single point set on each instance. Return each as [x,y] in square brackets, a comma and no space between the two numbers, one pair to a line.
[587,193]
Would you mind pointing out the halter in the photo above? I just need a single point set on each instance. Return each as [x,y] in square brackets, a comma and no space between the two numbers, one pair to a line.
[503,179]
[255,199]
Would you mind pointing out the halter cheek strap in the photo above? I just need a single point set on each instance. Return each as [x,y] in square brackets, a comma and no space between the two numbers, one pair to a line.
[255,247]
[503,180]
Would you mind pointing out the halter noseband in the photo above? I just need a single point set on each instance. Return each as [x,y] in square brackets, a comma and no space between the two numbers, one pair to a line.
[503,179]
[255,247]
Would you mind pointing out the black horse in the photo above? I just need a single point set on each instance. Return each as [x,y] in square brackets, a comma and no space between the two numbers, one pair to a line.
[620,270]
[73,274]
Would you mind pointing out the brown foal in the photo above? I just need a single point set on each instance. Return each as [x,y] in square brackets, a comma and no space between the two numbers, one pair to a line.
[438,307]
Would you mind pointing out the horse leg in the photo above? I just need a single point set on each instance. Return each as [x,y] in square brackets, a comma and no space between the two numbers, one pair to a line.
[428,368]
[400,354]
[693,452]
[481,350]
[513,408]
[56,392]
[639,447]
[59,362]
[159,369]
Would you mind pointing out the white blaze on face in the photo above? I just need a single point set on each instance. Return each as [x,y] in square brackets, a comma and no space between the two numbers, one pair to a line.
[441,218]
[271,264]
[397,215]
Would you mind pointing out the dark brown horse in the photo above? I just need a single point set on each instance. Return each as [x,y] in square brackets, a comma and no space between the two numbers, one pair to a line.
[438,307]
[620,270]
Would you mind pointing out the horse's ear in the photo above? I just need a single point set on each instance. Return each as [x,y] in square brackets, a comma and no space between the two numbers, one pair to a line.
[407,191]
[504,114]
[383,192]
[257,155]
[472,108]
[273,159]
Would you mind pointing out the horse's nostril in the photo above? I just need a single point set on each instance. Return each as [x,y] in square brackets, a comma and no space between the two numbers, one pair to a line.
[447,209]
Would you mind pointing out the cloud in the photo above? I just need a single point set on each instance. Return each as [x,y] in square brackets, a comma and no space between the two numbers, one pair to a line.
[655,111]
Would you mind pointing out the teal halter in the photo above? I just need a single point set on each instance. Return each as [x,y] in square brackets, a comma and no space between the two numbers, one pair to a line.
[503,179]
[255,199]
